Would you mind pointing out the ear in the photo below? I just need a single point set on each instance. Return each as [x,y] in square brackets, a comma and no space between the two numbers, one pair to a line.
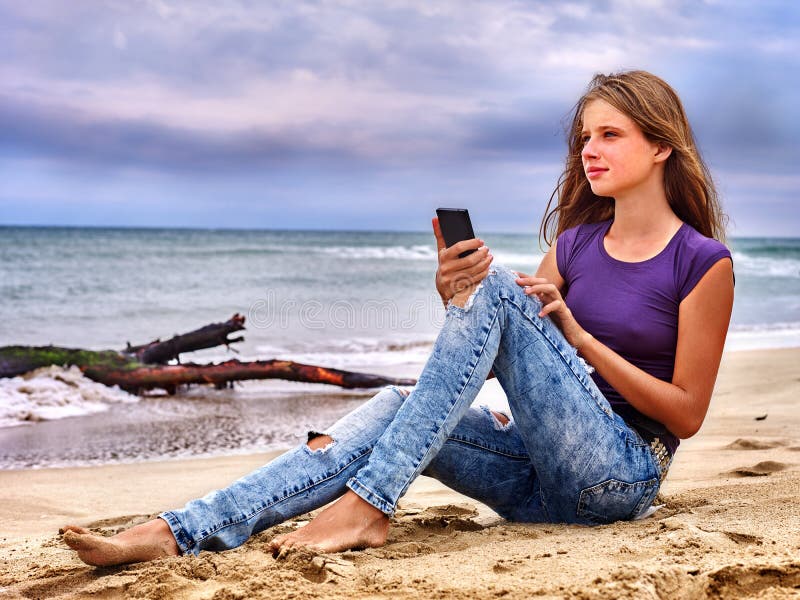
[663,152]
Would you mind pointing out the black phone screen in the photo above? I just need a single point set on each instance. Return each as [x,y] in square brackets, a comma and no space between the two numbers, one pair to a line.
[456,226]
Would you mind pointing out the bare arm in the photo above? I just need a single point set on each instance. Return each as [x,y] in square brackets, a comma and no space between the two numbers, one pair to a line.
[548,268]
[703,320]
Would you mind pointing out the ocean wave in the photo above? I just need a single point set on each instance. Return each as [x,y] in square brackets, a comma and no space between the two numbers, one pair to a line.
[53,393]
[414,252]
[776,249]
[762,336]
[360,354]
[762,266]
[356,352]
[407,252]
[529,261]
[788,326]
[359,361]
[350,346]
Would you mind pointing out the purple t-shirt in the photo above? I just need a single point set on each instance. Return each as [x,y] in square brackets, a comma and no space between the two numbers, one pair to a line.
[633,307]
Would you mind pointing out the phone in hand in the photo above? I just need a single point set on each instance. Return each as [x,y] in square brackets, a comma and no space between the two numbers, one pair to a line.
[456,226]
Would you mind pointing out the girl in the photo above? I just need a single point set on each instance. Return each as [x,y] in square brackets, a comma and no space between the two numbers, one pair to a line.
[635,283]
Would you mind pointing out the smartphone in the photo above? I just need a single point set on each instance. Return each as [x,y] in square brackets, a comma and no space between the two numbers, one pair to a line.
[456,226]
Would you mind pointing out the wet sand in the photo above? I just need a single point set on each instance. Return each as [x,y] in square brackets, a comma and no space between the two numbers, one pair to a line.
[198,422]
[729,527]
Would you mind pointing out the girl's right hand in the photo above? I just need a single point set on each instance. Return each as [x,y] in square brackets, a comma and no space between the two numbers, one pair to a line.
[455,274]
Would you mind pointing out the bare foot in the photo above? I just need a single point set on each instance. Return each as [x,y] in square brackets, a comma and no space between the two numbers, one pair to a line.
[350,522]
[147,541]
[74,528]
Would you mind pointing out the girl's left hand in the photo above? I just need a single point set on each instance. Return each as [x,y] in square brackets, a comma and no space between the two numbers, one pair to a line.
[553,304]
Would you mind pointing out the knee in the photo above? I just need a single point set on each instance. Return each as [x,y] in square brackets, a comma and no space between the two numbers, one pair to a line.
[319,441]
[489,285]
[501,280]
[403,392]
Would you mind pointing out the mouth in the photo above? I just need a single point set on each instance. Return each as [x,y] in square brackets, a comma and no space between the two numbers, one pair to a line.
[594,172]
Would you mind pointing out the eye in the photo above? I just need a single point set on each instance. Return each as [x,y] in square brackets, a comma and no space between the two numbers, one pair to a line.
[584,140]
[609,134]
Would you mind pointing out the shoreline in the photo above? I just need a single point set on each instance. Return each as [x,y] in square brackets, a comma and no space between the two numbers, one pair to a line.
[197,424]
[729,527]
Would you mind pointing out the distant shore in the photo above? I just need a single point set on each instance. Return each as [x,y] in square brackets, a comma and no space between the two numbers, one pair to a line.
[729,527]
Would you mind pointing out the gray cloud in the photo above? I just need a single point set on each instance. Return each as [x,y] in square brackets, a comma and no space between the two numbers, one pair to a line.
[76,137]
[330,89]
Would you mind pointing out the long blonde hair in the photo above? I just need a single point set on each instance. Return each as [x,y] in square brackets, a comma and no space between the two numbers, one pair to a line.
[655,107]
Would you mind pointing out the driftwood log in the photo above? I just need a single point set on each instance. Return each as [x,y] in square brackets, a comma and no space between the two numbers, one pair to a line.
[140,368]
[210,336]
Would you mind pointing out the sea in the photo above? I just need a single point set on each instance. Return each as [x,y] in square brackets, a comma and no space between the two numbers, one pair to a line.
[361,301]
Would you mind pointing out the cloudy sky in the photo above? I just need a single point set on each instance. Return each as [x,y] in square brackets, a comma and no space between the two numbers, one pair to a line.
[368,115]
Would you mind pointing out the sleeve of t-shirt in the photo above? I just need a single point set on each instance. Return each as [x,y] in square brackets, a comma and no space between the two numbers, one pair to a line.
[564,249]
[704,254]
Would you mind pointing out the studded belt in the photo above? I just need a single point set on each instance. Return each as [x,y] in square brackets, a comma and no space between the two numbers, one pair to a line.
[662,457]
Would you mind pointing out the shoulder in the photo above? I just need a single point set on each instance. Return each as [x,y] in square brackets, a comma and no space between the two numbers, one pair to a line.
[696,243]
[584,230]
[571,242]
[694,256]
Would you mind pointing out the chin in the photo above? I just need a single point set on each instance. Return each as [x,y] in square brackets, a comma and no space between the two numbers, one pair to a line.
[605,191]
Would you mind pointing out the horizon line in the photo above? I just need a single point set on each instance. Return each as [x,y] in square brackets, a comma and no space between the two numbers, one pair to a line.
[299,230]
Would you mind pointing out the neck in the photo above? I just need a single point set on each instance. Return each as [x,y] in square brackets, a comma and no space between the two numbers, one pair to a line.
[644,212]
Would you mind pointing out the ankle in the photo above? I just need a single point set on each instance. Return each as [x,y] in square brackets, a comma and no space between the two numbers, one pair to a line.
[357,503]
[156,532]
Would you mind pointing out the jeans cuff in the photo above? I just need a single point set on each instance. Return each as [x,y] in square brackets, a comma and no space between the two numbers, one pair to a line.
[371,497]
[185,543]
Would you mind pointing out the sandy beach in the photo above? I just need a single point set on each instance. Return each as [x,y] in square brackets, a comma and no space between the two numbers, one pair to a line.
[729,525]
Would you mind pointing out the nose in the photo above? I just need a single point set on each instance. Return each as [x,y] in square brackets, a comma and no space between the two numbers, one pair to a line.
[588,150]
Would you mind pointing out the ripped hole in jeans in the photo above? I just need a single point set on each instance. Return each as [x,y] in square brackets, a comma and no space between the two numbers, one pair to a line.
[319,442]
[500,420]
[501,417]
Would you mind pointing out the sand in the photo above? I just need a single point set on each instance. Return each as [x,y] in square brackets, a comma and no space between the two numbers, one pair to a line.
[729,527]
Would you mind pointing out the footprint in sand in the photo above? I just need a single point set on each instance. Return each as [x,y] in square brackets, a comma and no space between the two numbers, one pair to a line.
[410,534]
[744,538]
[448,518]
[761,469]
[408,549]
[318,568]
[685,536]
[752,444]
[764,580]
[739,581]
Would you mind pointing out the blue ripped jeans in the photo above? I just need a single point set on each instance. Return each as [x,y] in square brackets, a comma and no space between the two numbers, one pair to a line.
[564,457]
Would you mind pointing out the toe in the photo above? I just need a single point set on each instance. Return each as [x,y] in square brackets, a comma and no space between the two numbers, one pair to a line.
[76,541]
[75,528]
[287,544]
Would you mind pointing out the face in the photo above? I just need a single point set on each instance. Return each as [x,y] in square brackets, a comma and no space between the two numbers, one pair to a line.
[618,159]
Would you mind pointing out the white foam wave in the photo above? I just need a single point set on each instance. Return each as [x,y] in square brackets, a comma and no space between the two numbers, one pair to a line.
[762,266]
[763,335]
[344,354]
[355,345]
[414,252]
[525,262]
[359,361]
[53,393]
[420,252]
[360,354]
[788,326]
